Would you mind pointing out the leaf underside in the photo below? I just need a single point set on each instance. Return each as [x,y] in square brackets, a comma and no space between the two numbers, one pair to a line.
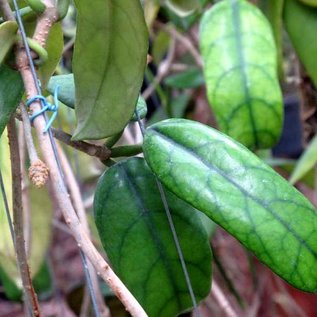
[134,231]
[11,91]
[109,61]
[239,192]
[239,53]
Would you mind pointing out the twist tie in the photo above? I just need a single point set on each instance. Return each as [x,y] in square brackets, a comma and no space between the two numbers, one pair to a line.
[46,107]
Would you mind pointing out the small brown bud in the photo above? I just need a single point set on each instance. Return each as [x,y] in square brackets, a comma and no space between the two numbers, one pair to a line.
[38,173]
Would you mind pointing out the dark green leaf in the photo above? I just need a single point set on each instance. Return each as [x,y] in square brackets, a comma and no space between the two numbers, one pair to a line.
[108,64]
[11,91]
[241,73]
[238,191]
[134,231]
[191,78]
[301,23]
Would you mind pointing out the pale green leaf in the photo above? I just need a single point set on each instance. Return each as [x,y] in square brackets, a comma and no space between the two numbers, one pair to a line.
[8,31]
[306,161]
[240,68]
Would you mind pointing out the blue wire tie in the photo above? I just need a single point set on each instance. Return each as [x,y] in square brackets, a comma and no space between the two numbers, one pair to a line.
[46,107]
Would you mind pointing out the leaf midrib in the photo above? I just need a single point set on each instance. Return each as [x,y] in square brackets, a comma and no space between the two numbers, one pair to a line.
[235,6]
[183,148]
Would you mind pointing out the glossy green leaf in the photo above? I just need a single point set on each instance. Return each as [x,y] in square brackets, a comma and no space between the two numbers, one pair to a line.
[239,53]
[306,162]
[183,7]
[66,93]
[141,108]
[109,61]
[301,22]
[191,78]
[54,47]
[135,233]
[11,91]
[8,31]
[240,192]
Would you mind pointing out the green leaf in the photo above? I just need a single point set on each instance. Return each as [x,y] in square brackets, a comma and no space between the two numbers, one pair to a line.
[141,108]
[273,10]
[238,191]
[135,233]
[183,7]
[54,47]
[8,32]
[239,52]
[108,64]
[312,3]
[11,91]
[191,78]
[66,93]
[301,23]
[306,161]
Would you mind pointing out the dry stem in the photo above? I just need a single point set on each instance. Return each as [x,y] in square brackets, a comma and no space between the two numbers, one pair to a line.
[81,212]
[30,294]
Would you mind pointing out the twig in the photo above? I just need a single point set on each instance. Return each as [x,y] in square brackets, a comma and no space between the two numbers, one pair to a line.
[222,300]
[183,39]
[44,24]
[101,152]
[80,209]
[38,171]
[30,294]
[25,194]
[163,70]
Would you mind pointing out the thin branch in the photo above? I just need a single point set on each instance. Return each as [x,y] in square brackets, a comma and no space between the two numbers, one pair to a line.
[81,212]
[222,300]
[99,151]
[38,171]
[182,39]
[162,72]
[30,294]
[44,23]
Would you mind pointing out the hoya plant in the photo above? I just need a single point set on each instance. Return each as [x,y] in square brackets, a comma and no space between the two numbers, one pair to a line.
[98,124]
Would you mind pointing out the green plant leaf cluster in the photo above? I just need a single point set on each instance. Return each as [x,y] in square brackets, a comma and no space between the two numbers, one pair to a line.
[240,68]
[135,233]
